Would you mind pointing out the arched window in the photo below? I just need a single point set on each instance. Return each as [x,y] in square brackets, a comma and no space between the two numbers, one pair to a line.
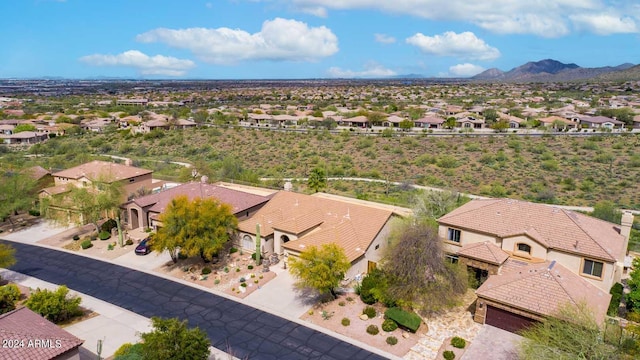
[284,239]
[524,248]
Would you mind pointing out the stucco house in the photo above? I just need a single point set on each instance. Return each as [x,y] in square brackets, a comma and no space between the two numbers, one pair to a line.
[28,336]
[144,211]
[132,179]
[596,122]
[291,222]
[532,258]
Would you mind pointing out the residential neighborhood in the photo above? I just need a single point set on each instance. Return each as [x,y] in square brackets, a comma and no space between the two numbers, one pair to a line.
[340,170]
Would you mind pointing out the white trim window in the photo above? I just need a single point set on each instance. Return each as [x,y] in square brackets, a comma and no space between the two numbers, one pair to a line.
[592,268]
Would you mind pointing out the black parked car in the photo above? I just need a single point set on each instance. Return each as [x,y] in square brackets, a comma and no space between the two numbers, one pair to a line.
[144,247]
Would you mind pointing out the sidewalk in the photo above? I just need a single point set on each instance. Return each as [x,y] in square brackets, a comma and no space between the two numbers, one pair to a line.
[120,325]
[278,297]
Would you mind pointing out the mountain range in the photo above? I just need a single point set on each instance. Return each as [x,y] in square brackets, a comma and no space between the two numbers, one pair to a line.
[553,70]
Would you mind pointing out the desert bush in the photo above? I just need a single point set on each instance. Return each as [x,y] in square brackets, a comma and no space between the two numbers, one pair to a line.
[9,294]
[76,237]
[370,311]
[389,325]
[346,322]
[250,267]
[341,303]
[233,250]
[34,212]
[86,244]
[54,306]
[449,355]
[392,340]
[458,342]
[373,329]
[104,235]
[206,270]
[129,242]
[403,318]
[108,225]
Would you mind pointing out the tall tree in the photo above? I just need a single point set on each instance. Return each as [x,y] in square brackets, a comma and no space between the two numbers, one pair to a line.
[317,179]
[17,193]
[198,227]
[572,333]
[417,273]
[321,268]
[171,339]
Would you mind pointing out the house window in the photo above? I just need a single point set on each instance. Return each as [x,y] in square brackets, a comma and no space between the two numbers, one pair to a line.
[453,235]
[132,180]
[593,268]
[524,248]
[377,246]
[451,258]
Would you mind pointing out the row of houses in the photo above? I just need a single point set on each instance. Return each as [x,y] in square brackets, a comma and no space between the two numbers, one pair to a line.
[529,258]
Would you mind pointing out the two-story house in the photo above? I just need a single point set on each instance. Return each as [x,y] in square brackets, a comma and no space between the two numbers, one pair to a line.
[532,258]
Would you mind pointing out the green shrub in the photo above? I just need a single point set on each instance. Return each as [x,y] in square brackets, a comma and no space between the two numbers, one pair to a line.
[389,325]
[371,285]
[449,355]
[86,244]
[244,284]
[182,255]
[250,267]
[392,340]
[458,342]
[616,297]
[129,242]
[9,294]
[342,303]
[206,271]
[373,329]
[407,320]
[76,237]
[233,250]
[370,311]
[104,235]
[34,212]
[54,306]
[253,256]
[108,225]
[346,322]
[130,352]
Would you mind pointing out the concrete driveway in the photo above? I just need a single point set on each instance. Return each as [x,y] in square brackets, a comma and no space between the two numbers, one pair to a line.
[493,344]
[35,233]
[279,296]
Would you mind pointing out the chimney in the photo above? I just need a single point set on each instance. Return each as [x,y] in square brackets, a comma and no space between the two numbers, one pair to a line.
[128,162]
[625,228]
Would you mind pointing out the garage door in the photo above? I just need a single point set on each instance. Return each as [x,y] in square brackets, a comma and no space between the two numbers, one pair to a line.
[506,320]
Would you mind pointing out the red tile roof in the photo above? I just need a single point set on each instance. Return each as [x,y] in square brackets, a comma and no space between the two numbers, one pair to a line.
[484,251]
[553,227]
[543,288]
[319,221]
[95,169]
[239,201]
[38,339]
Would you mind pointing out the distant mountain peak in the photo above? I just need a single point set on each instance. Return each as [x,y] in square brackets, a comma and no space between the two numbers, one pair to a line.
[547,70]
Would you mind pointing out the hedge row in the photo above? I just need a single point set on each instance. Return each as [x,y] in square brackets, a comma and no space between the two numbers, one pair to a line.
[405,319]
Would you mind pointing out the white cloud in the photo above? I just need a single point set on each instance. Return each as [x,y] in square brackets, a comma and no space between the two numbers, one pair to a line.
[604,24]
[549,18]
[465,70]
[385,39]
[371,70]
[278,40]
[464,45]
[208,5]
[146,65]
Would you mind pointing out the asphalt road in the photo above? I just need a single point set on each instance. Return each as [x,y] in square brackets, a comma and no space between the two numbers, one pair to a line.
[241,330]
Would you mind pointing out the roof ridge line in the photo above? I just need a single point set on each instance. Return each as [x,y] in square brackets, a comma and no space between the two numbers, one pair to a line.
[565,212]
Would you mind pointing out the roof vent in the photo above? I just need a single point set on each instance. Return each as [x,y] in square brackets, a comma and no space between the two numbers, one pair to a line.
[551,265]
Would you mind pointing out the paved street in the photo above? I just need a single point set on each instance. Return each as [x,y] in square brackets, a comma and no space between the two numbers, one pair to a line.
[233,327]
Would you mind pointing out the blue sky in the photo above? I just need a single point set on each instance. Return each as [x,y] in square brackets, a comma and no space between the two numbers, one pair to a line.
[285,39]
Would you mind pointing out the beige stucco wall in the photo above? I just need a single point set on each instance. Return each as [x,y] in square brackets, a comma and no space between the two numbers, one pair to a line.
[574,264]
[537,250]
[277,235]
[466,237]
